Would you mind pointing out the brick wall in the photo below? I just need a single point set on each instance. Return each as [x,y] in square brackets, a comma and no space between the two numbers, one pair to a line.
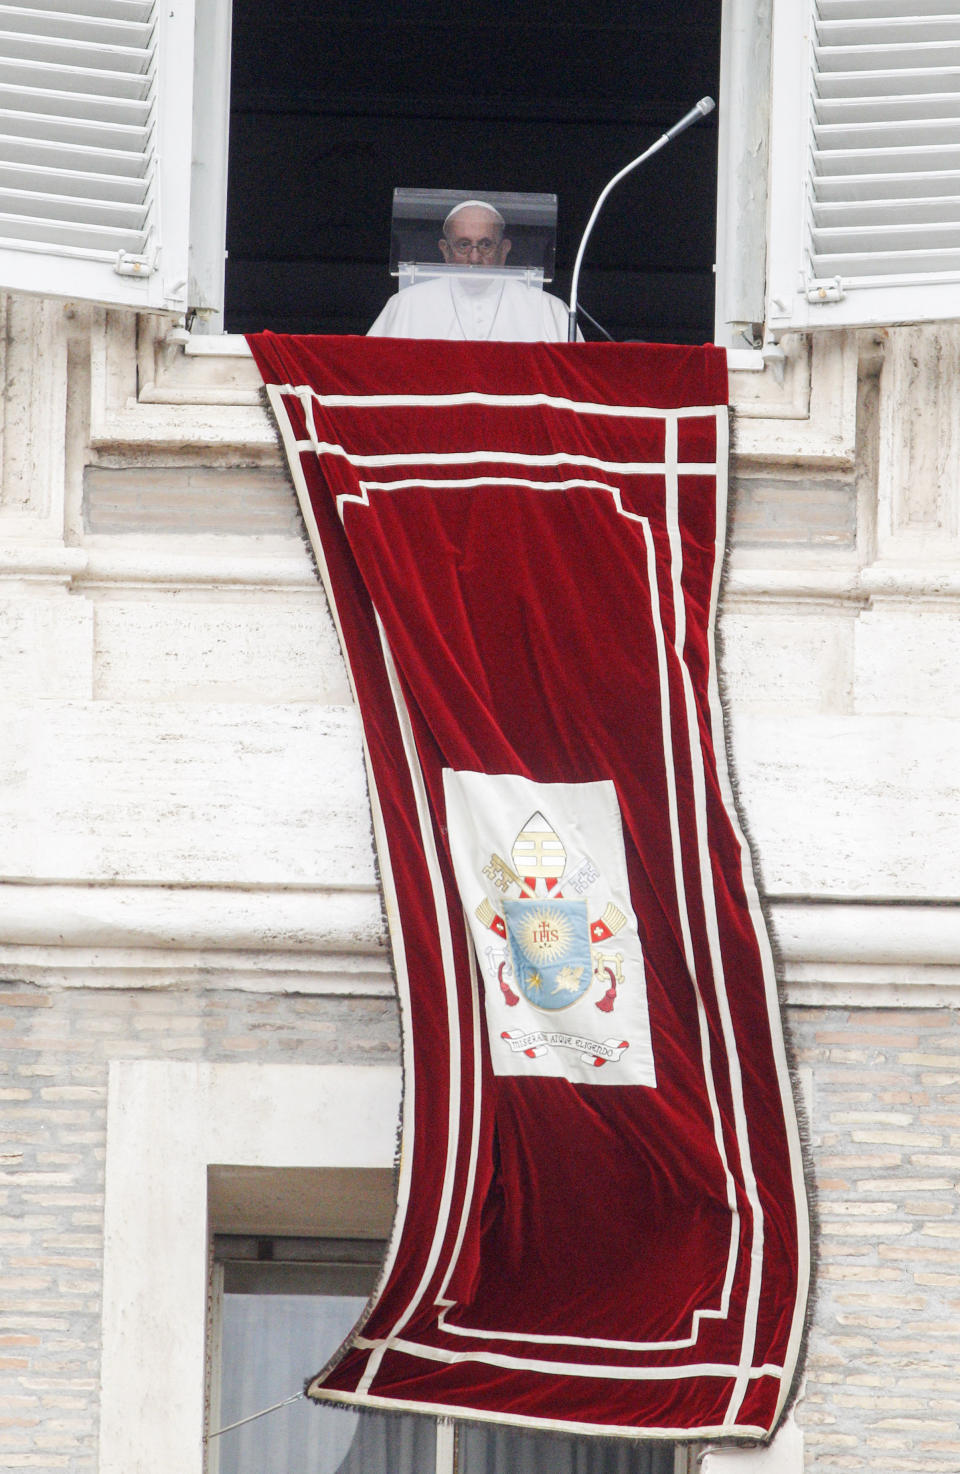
[883,1370]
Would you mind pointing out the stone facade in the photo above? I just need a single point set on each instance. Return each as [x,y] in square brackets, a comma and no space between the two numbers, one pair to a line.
[186,872]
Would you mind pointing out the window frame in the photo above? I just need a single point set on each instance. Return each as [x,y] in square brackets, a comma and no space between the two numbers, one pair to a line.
[209,163]
[742,169]
[167,1123]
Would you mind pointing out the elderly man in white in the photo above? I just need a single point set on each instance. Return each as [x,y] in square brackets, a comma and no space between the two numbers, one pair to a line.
[496,309]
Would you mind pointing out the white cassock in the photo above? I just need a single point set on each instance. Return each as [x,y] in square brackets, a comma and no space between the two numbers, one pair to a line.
[502,310]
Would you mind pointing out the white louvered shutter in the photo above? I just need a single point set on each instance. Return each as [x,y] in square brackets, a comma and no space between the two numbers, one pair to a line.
[96,104]
[865,163]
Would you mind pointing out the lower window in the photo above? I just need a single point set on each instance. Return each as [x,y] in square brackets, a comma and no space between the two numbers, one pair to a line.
[280,1307]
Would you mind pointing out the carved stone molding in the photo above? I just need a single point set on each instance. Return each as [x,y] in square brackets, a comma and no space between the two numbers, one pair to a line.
[918,512]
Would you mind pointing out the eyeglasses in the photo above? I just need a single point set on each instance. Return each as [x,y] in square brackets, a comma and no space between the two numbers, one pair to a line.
[485,247]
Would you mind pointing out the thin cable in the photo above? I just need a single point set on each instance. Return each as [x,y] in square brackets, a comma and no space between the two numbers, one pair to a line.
[581,309]
[254,1416]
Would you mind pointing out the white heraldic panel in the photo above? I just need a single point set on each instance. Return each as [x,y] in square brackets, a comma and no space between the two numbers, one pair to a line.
[542,874]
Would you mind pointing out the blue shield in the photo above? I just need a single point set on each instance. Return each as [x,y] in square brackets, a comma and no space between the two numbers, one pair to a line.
[550,950]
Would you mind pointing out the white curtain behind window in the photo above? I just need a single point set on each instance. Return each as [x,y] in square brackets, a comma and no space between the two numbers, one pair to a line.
[271,1344]
[510,1451]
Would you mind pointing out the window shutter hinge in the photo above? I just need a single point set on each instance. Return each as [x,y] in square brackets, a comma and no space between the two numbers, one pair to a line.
[128,265]
[826,291]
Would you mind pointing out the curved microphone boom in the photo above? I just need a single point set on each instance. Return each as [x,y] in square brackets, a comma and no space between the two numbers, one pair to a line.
[704,106]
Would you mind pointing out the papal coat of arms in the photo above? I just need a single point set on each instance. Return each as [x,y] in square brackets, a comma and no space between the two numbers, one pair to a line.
[555,935]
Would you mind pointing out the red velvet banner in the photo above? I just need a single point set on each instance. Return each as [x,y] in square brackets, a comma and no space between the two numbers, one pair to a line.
[601,1223]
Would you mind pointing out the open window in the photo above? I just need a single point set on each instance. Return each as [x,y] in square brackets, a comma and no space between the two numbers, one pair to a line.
[529,98]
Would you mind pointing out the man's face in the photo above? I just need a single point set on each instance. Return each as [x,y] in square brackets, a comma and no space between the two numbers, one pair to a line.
[474,237]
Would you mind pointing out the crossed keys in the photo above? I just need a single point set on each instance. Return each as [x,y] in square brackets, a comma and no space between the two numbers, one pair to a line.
[503,876]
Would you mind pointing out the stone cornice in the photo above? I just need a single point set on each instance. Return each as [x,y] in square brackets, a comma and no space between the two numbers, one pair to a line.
[331,941]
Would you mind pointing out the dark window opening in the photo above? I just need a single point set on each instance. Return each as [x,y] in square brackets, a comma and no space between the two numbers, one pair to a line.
[333,105]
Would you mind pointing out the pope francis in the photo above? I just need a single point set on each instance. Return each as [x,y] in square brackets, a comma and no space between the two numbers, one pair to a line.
[497,309]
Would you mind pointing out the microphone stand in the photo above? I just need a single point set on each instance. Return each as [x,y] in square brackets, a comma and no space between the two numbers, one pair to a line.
[704,106]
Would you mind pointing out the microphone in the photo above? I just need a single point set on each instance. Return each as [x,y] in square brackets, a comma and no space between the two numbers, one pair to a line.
[700,110]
